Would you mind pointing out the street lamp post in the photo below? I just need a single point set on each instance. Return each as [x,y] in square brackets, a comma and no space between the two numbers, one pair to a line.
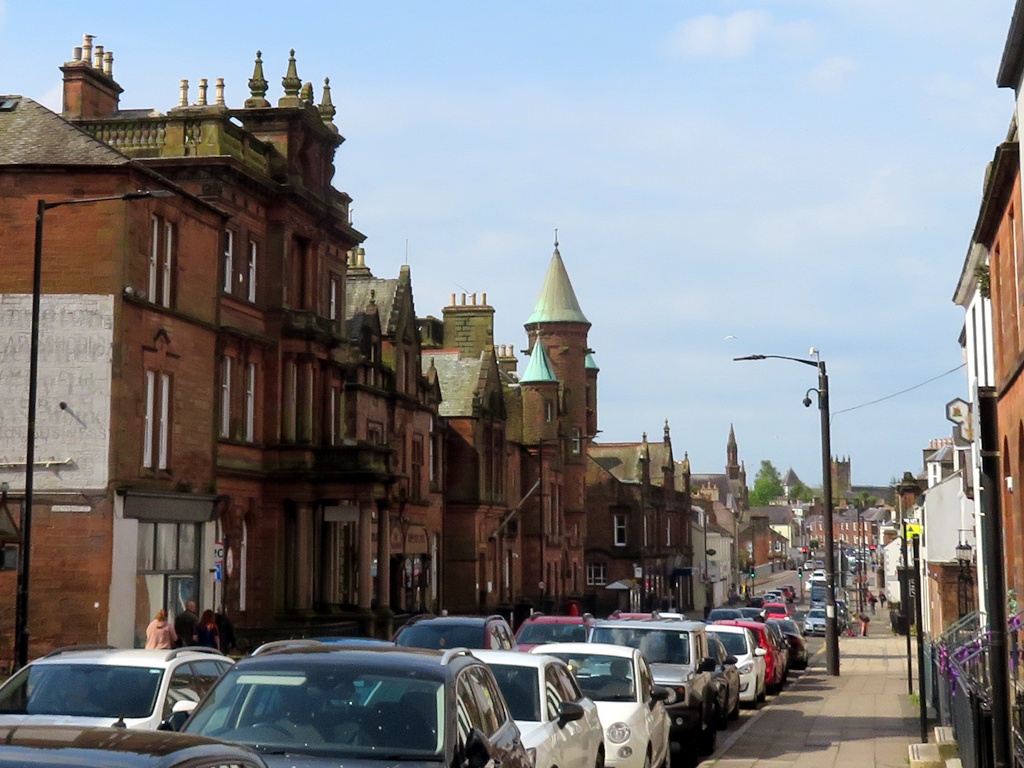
[25,549]
[964,554]
[831,628]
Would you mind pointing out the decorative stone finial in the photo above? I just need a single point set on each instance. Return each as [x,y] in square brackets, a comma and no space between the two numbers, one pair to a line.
[306,94]
[291,81]
[327,110]
[257,86]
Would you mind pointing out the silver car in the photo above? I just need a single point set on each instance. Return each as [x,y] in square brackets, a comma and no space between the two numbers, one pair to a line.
[814,622]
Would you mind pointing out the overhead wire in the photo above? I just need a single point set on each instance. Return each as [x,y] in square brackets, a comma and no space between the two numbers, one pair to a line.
[901,392]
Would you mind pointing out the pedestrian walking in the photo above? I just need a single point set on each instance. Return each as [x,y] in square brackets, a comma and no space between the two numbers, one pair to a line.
[864,621]
[185,624]
[207,633]
[872,601]
[160,633]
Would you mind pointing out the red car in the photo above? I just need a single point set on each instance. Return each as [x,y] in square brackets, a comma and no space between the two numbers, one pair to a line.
[540,629]
[775,667]
[776,610]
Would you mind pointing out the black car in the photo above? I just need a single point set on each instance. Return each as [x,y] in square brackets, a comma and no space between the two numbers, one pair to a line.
[795,639]
[717,614]
[489,632]
[71,746]
[318,705]
[727,682]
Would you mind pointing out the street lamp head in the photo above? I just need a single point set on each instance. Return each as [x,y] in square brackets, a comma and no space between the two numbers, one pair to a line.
[807,401]
[143,193]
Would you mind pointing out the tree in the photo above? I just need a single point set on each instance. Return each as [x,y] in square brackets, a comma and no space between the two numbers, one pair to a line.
[767,485]
[863,500]
[801,492]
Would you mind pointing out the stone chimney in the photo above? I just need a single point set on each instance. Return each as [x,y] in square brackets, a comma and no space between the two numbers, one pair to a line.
[469,327]
[90,91]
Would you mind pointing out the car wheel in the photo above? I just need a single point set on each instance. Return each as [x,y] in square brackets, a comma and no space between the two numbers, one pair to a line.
[599,762]
[721,718]
[735,710]
[764,691]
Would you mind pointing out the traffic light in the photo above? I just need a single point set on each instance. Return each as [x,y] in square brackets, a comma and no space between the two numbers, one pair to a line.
[799,574]
[803,550]
[872,547]
[752,574]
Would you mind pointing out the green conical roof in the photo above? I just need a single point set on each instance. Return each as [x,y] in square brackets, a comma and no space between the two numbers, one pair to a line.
[557,302]
[538,370]
[589,363]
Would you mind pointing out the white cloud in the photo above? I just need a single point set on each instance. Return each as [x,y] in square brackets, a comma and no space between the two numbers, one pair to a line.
[730,37]
[831,74]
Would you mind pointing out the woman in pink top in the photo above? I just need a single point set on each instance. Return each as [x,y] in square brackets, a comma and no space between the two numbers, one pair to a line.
[160,632]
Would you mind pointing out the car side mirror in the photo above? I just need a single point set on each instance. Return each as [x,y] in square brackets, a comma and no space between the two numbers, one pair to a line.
[659,693]
[568,711]
[731,659]
[759,651]
[179,714]
[708,665]
[477,749]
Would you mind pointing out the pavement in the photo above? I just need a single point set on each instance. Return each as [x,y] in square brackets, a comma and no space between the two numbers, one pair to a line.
[862,718]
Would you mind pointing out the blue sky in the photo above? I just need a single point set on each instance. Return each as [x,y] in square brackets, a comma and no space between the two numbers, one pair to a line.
[791,173]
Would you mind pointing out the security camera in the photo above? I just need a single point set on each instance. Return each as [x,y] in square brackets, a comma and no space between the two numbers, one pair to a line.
[807,402]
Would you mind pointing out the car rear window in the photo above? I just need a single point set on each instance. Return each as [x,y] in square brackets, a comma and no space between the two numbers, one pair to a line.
[82,690]
[735,642]
[659,646]
[600,677]
[441,636]
[538,633]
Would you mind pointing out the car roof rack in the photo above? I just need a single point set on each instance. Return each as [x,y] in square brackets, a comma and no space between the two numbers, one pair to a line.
[280,645]
[176,652]
[453,653]
[82,647]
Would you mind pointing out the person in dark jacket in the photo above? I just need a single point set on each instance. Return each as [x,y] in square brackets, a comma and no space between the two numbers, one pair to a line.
[207,633]
[185,624]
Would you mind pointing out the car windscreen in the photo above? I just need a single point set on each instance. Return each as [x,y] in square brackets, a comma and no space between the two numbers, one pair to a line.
[538,633]
[735,642]
[717,614]
[336,712]
[659,646]
[816,613]
[441,636]
[82,690]
[601,678]
[789,626]
[519,685]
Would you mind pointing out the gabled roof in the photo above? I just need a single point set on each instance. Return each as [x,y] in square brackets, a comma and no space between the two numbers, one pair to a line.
[460,379]
[790,479]
[538,369]
[360,293]
[622,460]
[557,301]
[30,134]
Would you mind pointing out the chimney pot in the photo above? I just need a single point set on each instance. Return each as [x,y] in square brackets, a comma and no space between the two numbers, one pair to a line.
[453,301]
[97,57]
[483,302]
[472,299]
[463,299]
[183,96]
[87,49]
[202,92]
[77,55]
[108,64]
[220,92]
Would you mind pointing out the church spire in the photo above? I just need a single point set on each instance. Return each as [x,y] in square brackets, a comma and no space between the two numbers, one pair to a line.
[732,464]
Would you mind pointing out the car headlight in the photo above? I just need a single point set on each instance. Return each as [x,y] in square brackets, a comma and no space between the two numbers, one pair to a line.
[532,754]
[672,695]
[747,668]
[618,733]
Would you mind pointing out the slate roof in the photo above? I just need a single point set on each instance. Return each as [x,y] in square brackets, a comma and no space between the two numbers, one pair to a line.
[790,479]
[459,378]
[622,460]
[557,301]
[383,291]
[31,134]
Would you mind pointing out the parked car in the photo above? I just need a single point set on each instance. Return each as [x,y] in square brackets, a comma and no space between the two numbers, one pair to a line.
[774,668]
[752,613]
[727,682]
[560,726]
[814,622]
[440,632]
[101,686]
[789,593]
[797,644]
[681,661]
[541,628]
[741,643]
[777,636]
[315,705]
[776,610]
[631,707]
[755,601]
[68,746]
[724,613]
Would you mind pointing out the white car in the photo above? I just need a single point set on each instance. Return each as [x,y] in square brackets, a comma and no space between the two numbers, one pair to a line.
[104,686]
[632,710]
[741,643]
[560,726]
